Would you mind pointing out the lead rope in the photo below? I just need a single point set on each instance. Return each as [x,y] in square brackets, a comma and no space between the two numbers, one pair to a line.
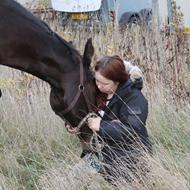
[96,146]
[95,140]
[84,120]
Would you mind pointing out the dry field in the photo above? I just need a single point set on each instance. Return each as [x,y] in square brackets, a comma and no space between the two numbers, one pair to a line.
[36,152]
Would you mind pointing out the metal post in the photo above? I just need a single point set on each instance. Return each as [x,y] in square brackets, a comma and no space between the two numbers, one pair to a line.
[170,15]
[155,11]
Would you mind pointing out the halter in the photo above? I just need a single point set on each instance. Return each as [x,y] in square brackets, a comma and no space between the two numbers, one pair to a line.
[80,91]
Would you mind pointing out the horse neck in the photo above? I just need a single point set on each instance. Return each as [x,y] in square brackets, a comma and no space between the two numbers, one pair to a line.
[29,45]
[47,68]
[48,63]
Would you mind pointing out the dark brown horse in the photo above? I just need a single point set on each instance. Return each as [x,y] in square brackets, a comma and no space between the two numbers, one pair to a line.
[28,44]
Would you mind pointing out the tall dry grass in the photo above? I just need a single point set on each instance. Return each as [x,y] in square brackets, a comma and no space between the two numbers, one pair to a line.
[38,153]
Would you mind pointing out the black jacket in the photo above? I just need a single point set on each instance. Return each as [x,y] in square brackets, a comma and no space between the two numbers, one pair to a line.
[123,125]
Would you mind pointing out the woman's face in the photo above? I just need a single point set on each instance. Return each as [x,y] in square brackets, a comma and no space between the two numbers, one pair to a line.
[105,85]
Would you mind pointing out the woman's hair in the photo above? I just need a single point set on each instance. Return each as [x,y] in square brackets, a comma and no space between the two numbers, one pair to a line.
[112,68]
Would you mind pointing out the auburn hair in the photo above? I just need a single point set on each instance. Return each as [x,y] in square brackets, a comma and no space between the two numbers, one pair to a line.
[112,68]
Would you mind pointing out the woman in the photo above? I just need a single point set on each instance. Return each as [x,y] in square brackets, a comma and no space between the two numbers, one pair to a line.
[122,117]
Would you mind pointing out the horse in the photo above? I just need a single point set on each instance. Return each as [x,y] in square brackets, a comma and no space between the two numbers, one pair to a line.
[28,44]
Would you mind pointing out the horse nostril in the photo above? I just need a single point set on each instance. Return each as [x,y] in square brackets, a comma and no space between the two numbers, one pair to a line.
[81,87]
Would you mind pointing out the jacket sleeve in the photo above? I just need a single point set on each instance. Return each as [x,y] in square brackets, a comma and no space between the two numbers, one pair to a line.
[129,124]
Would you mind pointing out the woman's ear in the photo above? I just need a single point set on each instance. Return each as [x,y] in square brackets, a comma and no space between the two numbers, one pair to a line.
[88,53]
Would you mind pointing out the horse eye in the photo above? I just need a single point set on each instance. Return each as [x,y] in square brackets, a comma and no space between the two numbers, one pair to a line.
[81,87]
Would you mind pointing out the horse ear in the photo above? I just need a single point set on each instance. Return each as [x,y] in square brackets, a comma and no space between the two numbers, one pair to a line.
[88,52]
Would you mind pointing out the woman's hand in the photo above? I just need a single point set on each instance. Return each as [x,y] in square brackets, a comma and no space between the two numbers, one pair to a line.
[94,123]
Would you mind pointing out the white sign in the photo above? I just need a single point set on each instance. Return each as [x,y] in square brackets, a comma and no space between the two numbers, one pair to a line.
[76,5]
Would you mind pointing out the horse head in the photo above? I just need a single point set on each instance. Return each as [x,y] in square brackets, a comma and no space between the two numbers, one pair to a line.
[28,44]
[75,97]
